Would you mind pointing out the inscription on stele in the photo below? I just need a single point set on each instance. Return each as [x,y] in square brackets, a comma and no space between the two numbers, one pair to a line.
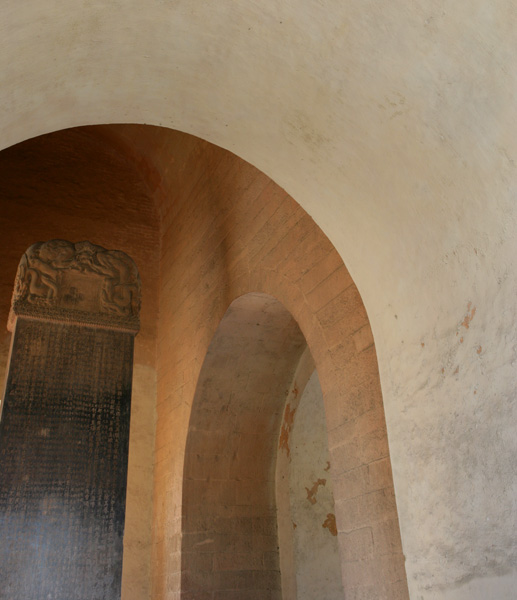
[64,428]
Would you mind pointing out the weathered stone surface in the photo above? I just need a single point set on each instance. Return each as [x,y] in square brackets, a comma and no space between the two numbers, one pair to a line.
[63,448]
[81,283]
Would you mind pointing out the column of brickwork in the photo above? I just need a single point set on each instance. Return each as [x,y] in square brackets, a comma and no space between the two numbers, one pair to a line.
[64,431]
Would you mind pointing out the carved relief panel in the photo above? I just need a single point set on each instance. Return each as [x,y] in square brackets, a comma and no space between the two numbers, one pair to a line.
[82,282]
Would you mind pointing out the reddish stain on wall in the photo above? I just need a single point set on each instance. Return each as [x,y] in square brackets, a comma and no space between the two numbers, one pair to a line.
[286,429]
[311,493]
[330,523]
[471,311]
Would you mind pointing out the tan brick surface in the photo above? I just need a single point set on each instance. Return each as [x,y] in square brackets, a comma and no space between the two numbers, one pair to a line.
[247,235]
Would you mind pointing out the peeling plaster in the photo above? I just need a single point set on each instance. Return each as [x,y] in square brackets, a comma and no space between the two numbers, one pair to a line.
[330,524]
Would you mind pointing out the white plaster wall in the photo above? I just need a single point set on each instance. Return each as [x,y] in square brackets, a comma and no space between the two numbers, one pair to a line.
[394,125]
[316,550]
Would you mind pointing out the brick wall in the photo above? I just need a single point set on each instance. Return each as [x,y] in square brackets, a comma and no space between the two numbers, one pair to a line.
[228,230]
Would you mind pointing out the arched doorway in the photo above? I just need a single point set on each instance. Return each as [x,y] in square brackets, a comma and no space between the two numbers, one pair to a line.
[230,541]
[258,517]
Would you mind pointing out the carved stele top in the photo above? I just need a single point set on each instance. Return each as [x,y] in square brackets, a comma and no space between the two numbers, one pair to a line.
[77,283]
